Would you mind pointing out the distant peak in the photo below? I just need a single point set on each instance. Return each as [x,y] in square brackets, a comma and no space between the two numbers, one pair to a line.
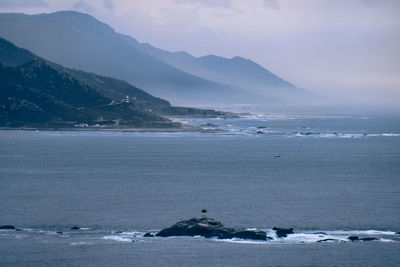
[81,19]
[182,53]
[237,58]
[212,57]
[70,13]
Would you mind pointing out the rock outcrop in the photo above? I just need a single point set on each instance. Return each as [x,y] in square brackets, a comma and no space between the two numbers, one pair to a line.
[356,238]
[148,235]
[208,228]
[7,227]
[282,232]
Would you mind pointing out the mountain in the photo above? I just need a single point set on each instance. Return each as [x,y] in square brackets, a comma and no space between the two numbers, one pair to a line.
[36,92]
[65,36]
[77,40]
[258,83]
[236,71]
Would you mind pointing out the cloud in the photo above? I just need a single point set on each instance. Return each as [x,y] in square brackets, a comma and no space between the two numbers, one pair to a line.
[273,4]
[22,4]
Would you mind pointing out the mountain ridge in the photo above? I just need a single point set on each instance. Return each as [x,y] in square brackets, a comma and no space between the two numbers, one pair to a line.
[74,34]
[70,34]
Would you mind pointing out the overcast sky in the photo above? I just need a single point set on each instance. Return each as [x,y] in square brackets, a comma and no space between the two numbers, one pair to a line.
[340,48]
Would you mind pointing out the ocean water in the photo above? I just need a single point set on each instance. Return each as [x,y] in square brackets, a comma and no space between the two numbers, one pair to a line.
[335,177]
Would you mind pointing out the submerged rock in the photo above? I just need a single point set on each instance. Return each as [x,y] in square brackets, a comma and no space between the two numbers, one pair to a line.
[283,232]
[148,235]
[7,227]
[353,238]
[75,227]
[356,238]
[208,228]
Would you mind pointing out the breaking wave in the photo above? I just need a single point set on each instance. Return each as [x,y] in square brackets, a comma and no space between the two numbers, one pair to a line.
[90,237]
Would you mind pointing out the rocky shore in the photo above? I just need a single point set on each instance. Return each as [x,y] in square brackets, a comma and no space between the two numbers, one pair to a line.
[208,228]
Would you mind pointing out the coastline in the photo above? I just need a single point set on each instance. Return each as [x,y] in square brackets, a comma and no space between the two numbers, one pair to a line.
[185,128]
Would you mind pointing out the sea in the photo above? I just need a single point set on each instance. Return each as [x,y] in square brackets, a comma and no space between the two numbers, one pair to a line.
[327,177]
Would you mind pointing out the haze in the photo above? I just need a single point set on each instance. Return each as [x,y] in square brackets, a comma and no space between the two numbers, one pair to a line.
[349,50]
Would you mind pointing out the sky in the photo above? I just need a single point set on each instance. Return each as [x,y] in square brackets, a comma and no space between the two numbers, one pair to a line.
[346,49]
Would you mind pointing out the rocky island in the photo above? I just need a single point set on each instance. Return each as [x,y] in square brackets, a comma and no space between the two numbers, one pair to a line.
[208,228]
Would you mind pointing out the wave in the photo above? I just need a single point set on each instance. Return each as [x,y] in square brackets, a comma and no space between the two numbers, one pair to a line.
[89,237]
[362,232]
[304,237]
[118,238]
[323,236]
[269,132]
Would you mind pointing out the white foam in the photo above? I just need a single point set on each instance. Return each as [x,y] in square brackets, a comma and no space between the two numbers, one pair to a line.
[242,241]
[117,238]
[361,232]
[386,240]
[314,237]
[390,134]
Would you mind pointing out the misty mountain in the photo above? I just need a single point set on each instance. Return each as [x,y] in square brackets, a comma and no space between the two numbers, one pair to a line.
[34,91]
[78,40]
[236,71]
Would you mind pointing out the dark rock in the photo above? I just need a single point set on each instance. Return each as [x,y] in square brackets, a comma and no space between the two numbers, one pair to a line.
[209,125]
[148,235]
[59,232]
[397,233]
[208,228]
[356,238]
[282,232]
[7,227]
[353,238]
[75,228]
